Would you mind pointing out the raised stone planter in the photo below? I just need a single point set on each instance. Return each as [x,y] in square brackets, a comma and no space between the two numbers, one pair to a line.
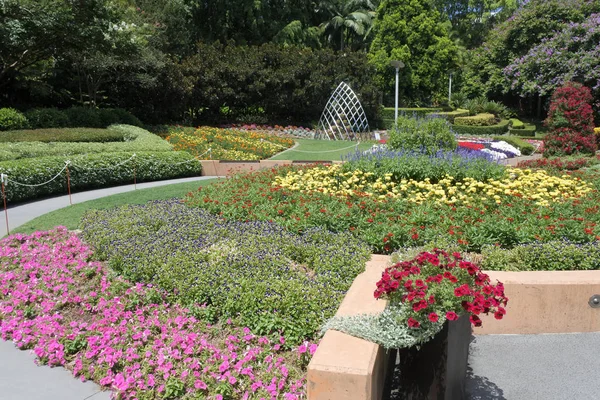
[345,367]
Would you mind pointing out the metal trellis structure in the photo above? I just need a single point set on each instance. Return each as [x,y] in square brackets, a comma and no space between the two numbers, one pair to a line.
[343,117]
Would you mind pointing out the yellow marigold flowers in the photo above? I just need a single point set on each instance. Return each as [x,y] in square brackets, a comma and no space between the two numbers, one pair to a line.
[534,185]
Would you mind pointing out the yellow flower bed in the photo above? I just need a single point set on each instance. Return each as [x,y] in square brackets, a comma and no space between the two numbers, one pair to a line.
[597,131]
[229,144]
[534,185]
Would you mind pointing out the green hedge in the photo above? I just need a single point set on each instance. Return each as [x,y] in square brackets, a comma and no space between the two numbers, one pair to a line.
[451,115]
[516,124]
[526,148]
[135,140]
[93,171]
[63,135]
[527,130]
[388,112]
[483,119]
[47,118]
[497,129]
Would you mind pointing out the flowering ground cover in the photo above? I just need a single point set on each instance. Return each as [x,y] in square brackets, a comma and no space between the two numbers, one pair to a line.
[229,144]
[496,149]
[257,273]
[558,164]
[291,130]
[521,206]
[127,337]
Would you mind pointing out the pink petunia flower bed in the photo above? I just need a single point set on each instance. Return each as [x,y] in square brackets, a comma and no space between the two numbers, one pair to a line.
[75,313]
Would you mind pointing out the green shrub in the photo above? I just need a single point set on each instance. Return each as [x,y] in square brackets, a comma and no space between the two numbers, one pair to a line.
[83,117]
[527,130]
[47,118]
[93,171]
[110,116]
[476,120]
[422,134]
[63,135]
[257,273]
[550,256]
[497,129]
[135,139]
[12,119]
[516,124]
[526,148]
[450,115]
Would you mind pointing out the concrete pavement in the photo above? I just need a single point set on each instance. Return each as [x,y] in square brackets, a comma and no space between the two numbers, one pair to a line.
[534,367]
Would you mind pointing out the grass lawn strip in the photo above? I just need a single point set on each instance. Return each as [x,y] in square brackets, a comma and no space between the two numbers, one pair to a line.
[71,216]
[321,150]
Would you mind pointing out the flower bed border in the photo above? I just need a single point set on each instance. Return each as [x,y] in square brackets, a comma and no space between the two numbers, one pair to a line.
[345,367]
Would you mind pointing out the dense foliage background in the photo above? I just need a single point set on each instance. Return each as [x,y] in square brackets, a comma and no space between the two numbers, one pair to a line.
[215,61]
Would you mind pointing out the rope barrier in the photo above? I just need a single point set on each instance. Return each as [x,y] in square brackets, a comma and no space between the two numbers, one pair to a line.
[112,166]
[39,184]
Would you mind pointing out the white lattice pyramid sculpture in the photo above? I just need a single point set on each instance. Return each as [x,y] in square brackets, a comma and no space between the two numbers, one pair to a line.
[343,117]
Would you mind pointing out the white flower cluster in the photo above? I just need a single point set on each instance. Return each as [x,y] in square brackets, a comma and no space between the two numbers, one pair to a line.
[496,155]
[502,145]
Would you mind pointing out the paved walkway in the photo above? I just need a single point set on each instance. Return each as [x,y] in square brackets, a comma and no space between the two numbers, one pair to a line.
[20,214]
[534,367]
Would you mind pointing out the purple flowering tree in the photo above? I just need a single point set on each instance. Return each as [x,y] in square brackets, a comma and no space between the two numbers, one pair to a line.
[572,54]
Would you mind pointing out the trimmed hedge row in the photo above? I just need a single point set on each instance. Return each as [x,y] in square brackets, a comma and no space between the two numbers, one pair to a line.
[388,112]
[76,117]
[63,135]
[451,115]
[135,140]
[527,130]
[497,129]
[526,148]
[93,171]
[483,119]
[516,124]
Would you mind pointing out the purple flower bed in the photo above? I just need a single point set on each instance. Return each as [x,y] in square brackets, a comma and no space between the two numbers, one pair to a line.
[72,312]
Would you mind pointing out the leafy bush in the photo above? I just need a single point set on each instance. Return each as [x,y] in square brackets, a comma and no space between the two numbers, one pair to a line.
[63,135]
[557,255]
[458,100]
[516,124]
[267,278]
[12,119]
[110,116]
[527,130]
[498,129]
[570,121]
[135,139]
[422,134]
[525,148]
[476,120]
[47,118]
[93,171]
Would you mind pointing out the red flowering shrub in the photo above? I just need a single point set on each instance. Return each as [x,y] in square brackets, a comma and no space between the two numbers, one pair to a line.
[437,286]
[570,121]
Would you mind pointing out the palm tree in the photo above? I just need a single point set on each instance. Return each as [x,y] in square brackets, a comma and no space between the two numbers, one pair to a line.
[347,19]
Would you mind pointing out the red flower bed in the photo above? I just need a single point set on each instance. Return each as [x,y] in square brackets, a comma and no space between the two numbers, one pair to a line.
[471,145]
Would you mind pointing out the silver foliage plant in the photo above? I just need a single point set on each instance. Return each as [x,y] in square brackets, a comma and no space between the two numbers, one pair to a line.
[385,328]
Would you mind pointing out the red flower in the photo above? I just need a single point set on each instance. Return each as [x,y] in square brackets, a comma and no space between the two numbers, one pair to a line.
[451,316]
[475,320]
[415,236]
[433,317]
[413,323]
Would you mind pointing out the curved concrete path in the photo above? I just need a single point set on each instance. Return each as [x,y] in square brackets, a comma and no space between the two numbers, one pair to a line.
[22,213]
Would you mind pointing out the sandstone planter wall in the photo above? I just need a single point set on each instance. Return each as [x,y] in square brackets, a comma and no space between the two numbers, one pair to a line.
[349,368]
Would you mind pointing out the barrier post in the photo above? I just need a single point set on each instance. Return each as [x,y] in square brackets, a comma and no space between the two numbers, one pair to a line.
[4,179]
[134,176]
[68,181]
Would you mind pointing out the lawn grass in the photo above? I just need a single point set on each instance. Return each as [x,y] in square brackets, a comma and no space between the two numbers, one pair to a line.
[71,215]
[321,150]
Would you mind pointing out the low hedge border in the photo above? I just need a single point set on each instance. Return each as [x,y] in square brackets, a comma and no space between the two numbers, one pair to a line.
[134,139]
[516,124]
[88,135]
[388,112]
[451,115]
[483,119]
[527,130]
[93,171]
[492,130]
